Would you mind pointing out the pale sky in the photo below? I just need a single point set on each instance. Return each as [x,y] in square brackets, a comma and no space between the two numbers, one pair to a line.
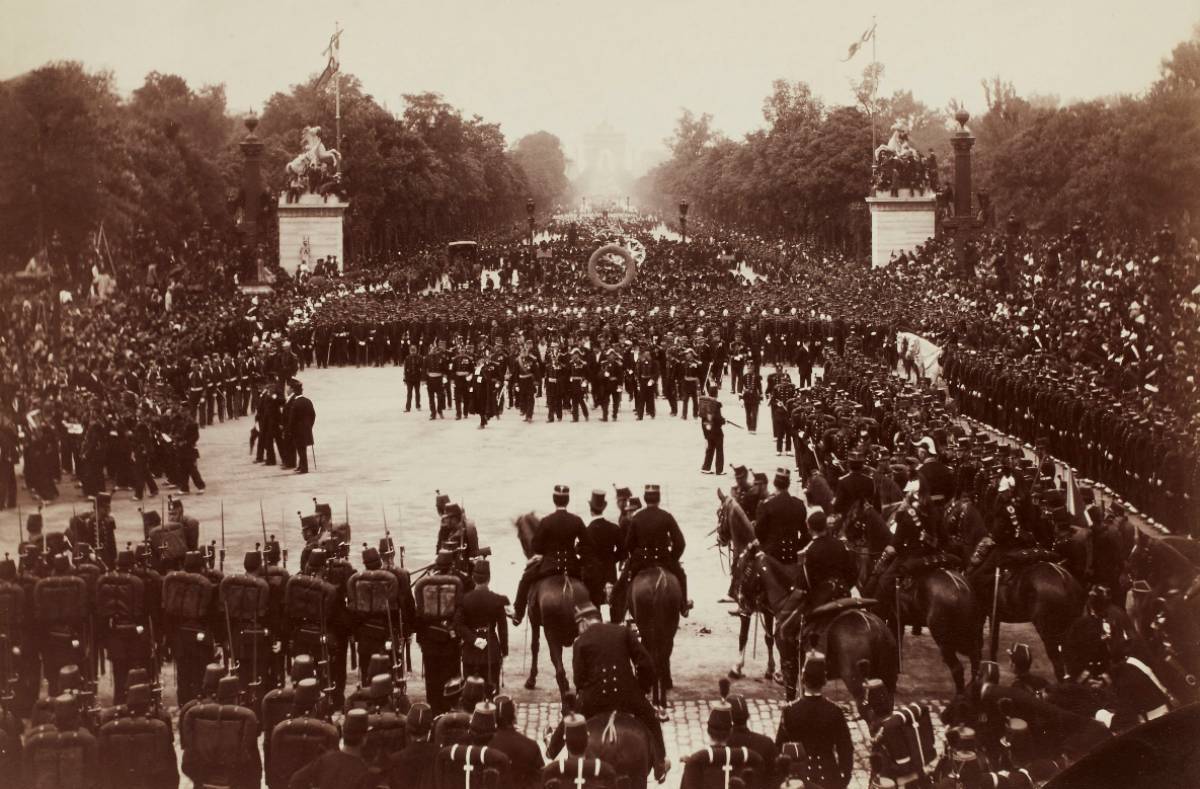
[566,66]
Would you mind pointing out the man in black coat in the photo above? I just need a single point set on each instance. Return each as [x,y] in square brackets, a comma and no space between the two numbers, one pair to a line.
[524,755]
[414,370]
[413,767]
[561,542]
[779,526]
[854,486]
[299,417]
[820,727]
[613,671]
[743,736]
[608,545]
[484,629]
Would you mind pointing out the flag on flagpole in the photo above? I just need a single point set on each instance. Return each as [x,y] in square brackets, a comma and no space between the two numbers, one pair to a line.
[333,64]
[857,45]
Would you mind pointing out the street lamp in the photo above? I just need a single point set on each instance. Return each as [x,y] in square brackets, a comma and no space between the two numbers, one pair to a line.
[529,209]
[683,208]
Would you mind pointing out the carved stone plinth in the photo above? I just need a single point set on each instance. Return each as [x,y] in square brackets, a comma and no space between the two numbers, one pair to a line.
[315,220]
[899,224]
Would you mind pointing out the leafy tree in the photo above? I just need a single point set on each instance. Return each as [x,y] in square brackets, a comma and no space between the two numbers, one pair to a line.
[540,157]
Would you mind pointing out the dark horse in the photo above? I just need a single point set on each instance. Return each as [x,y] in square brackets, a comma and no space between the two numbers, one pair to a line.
[857,644]
[552,604]
[735,531]
[1041,592]
[623,743]
[654,600]
[941,599]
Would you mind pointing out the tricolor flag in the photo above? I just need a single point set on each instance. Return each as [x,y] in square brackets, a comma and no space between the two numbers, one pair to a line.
[857,45]
[333,64]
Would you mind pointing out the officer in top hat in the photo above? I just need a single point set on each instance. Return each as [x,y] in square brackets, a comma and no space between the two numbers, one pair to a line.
[608,544]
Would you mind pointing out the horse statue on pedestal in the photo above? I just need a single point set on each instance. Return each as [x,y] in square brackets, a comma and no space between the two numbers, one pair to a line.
[313,169]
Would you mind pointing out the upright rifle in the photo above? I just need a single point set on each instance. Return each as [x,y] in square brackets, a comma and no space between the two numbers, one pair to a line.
[222,554]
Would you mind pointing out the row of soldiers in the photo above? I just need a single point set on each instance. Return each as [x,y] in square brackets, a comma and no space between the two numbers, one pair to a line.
[1116,442]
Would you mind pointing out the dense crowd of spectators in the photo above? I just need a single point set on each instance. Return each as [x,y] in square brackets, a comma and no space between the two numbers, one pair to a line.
[1108,316]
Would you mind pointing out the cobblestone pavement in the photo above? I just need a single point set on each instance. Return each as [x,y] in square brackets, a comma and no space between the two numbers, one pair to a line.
[685,734]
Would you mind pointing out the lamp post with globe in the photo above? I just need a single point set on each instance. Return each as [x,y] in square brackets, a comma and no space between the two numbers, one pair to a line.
[683,209]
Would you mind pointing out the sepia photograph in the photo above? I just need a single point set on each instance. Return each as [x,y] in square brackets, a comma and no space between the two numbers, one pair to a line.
[876,326]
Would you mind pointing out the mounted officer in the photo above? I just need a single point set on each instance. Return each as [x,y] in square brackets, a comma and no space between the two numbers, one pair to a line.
[560,545]
[613,670]
[911,542]
[654,540]
[780,523]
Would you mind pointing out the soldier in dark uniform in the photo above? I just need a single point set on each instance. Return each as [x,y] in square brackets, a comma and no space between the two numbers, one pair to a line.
[484,629]
[779,525]
[752,395]
[654,539]
[737,364]
[563,544]
[853,487]
[691,374]
[830,567]
[578,385]
[911,542]
[613,671]
[743,736]
[575,767]
[713,767]
[779,392]
[413,767]
[819,726]
[414,370]
[435,369]
[609,389]
[343,768]
[712,426]
[462,367]
[441,652]
[524,755]
[1020,656]
[608,546]
[647,372]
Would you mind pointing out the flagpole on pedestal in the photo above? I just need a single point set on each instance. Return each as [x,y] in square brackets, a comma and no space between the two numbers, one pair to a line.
[337,89]
[875,87]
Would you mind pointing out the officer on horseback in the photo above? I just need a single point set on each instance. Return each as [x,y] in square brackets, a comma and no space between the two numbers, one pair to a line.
[1007,532]
[779,527]
[560,545]
[828,564]
[911,542]
[853,487]
[612,672]
[654,540]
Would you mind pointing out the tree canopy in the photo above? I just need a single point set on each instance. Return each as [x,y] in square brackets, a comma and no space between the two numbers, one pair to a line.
[163,164]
